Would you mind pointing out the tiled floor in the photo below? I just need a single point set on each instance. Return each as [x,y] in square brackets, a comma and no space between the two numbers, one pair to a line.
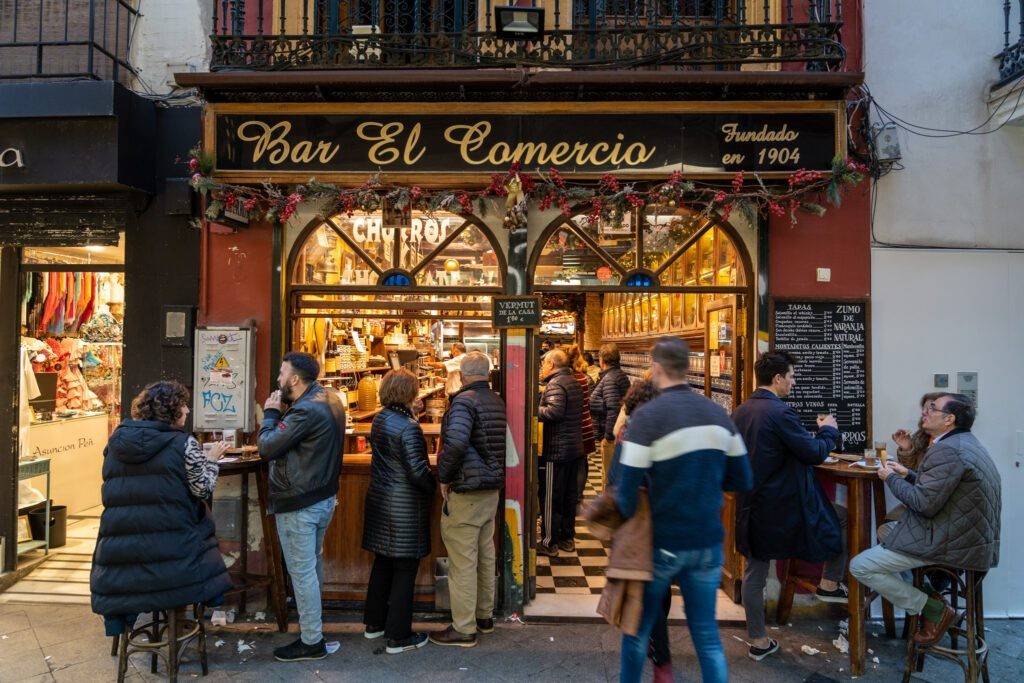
[64,577]
[580,572]
[570,585]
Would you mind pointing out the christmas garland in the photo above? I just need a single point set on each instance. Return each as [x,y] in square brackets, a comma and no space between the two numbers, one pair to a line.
[607,200]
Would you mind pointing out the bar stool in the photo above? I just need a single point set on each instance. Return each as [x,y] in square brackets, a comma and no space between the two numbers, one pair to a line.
[166,635]
[965,586]
[791,579]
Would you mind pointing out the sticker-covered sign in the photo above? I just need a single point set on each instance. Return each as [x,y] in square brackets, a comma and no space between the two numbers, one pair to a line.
[223,389]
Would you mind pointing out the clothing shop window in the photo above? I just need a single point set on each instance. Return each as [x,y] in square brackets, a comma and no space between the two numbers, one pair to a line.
[72,317]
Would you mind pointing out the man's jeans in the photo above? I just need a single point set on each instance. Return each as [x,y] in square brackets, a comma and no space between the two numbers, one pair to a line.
[697,573]
[879,569]
[302,543]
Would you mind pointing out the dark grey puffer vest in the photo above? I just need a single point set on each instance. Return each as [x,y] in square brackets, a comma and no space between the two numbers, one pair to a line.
[157,546]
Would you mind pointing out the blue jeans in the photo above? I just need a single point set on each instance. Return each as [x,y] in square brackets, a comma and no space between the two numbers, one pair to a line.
[697,573]
[302,543]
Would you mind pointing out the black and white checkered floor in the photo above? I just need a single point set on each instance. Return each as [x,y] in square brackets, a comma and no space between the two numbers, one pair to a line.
[569,586]
[580,572]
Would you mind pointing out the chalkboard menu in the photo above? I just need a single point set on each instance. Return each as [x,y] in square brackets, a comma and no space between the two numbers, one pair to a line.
[830,341]
[515,311]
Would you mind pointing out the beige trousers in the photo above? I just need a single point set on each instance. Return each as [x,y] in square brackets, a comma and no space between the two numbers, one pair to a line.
[607,449]
[468,533]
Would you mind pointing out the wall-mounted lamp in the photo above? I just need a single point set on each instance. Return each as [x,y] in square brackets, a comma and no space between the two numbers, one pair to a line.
[519,23]
[451,265]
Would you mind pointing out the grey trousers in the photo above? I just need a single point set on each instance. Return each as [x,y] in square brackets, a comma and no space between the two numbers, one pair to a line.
[755,578]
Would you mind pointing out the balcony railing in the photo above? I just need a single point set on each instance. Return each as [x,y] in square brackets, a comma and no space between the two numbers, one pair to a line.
[66,39]
[581,34]
[1011,59]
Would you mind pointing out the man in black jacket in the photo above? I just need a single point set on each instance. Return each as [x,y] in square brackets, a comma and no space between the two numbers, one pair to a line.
[303,445]
[471,469]
[605,402]
[787,514]
[561,411]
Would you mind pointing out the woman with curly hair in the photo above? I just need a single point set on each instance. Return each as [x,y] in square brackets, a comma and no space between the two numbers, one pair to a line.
[157,546]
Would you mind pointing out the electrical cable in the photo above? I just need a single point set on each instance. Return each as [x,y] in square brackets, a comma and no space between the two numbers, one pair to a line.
[915,129]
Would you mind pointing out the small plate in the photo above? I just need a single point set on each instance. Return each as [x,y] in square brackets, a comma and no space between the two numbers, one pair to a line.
[861,463]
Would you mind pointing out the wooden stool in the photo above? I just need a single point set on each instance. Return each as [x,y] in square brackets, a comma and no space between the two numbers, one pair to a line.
[791,579]
[166,635]
[788,584]
[965,588]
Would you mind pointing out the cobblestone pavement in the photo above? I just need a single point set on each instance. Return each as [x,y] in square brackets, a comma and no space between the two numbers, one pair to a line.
[66,643]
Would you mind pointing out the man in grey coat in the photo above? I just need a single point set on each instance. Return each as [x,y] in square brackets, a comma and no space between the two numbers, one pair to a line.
[952,515]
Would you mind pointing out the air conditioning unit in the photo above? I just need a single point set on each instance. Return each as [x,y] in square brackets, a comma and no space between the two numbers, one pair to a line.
[359,52]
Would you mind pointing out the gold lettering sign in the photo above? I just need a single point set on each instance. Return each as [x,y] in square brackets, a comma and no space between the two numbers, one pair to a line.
[464,139]
[11,158]
[273,141]
[471,139]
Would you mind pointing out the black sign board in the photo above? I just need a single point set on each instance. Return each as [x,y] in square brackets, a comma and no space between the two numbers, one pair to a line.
[830,341]
[694,142]
[515,311]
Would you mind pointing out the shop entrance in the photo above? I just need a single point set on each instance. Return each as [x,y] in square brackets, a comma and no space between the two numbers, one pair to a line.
[371,292]
[68,376]
[658,272]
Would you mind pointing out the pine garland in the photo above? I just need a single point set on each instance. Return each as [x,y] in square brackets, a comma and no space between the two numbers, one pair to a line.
[608,200]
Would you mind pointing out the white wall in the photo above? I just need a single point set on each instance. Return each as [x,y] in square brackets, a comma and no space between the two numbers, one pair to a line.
[171,36]
[944,311]
[931,62]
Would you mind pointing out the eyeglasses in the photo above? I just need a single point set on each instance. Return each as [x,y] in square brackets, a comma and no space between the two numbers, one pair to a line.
[932,408]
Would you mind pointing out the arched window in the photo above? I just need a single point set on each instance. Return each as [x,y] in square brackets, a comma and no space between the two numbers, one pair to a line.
[649,249]
[354,277]
[360,251]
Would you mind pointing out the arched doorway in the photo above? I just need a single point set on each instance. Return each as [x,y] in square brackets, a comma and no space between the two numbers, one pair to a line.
[366,294]
[660,271]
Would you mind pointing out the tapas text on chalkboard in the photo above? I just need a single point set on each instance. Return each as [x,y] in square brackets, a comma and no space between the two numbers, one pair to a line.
[830,342]
[515,311]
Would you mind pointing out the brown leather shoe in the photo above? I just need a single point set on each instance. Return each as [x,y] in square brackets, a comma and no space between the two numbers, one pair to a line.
[450,636]
[931,632]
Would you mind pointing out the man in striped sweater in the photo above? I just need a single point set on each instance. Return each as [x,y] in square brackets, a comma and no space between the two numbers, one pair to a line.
[687,451]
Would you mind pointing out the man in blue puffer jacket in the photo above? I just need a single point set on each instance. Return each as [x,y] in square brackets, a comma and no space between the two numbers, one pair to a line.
[471,469]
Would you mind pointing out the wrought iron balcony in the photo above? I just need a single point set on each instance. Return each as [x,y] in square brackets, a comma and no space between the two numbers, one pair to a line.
[1011,59]
[66,40]
[579,34]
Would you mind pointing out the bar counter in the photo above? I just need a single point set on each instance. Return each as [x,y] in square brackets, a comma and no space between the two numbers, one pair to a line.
[346,565]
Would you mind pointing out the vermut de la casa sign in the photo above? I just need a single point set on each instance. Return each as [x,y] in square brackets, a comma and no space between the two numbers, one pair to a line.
[515,311]
[319,144]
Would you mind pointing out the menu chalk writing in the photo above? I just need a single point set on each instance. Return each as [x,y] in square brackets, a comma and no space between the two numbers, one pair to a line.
[830,341]
[515,311]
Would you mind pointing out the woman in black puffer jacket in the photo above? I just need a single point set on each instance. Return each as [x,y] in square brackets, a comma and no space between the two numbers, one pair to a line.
[157,547]
[396,526]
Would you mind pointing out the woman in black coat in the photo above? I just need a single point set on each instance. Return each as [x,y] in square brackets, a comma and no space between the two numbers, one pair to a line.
[396,526]
[157,548]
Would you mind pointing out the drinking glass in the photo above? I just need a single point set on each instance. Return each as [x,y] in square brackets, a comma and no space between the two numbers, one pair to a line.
[870,457]
[881,447]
